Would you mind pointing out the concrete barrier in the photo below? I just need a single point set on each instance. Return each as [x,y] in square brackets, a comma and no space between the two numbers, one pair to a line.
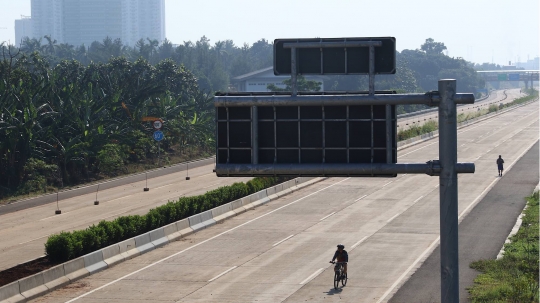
[94,261]
[222,212]
[10,293]
[128,249]
[112,255]
[33,286]
[55,277]
[171,232]
[237,207]
[143,243]
[158,238]
[184,228]
[75,269]
[201,220]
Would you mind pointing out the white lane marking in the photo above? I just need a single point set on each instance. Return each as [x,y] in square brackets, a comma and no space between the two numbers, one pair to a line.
[432,245]
[320,270]
[201,243]
[34,239]
[223,273]
[398,281]
[388,221]
[418,199]
[283,240]
[55,216]
[358,243]
[361,198]
[327,216]
[387,183]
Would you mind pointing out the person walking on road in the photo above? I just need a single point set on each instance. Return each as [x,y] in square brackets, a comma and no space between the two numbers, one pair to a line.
[500,163]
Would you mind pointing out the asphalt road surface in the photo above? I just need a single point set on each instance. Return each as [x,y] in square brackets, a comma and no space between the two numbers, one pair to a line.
[481,233]
[279,252]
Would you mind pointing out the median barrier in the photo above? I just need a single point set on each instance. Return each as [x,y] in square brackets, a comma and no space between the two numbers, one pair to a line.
[55,277]
[158,238]
[128,249]
[237,206]
[183,227]
[112,255]
[74,269]
[10,293]
[271,192]
[33,286]
[94,261]
[202,220]
[143,243]
[222,212]
[171,232]
[52,278]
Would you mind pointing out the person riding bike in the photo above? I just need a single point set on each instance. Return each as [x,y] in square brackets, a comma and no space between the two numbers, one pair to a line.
[342,256]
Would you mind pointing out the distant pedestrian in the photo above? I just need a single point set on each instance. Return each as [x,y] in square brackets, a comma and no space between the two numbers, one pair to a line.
[500,163]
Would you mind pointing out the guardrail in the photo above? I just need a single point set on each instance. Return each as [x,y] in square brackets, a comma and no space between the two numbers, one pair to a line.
[46,281]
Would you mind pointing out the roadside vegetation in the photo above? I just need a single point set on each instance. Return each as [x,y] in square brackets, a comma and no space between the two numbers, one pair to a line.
[429,126]
[514,277]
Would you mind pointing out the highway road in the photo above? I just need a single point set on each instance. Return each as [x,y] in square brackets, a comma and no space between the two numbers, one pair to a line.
[279,252]
[496,98]
[24,232]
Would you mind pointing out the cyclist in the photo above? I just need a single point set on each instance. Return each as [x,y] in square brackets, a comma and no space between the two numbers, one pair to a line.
[342,256]
[500,163]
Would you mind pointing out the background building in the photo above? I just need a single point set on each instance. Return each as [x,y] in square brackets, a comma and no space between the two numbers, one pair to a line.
[85,21]
[23,28]
[259,80]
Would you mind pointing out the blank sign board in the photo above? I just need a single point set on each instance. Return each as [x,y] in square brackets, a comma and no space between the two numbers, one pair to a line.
[304,134]
[335,60]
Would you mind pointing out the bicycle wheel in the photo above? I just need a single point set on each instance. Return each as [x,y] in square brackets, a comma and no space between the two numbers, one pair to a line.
[344,280]
[336,279]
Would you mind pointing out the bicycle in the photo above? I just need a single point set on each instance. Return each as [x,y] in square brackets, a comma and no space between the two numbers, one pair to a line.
[339,276]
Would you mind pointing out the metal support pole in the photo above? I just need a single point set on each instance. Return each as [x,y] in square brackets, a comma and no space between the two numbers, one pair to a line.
[254,135]
[371,70]
[294,89]
[448,192]
[389,140]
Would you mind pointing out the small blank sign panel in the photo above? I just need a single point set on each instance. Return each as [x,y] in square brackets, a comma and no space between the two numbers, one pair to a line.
[305,134]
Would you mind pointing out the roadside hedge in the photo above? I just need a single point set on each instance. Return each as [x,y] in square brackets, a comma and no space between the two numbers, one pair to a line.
[69,245]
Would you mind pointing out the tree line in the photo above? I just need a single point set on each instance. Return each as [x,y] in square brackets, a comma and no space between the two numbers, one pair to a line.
[61,124]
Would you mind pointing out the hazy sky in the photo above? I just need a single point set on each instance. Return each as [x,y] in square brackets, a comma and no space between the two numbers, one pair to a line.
[477,30]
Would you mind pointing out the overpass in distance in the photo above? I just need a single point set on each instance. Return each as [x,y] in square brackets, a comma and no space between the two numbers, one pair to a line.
[279,252]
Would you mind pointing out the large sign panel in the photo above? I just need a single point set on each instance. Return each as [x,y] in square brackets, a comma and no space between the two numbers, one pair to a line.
[335,60]
[305,134]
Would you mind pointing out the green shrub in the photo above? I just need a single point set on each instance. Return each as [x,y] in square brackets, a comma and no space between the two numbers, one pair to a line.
[111,159]
[69,245]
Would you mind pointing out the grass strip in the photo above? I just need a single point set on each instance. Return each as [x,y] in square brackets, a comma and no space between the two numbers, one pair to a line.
[514,277]
[417,130]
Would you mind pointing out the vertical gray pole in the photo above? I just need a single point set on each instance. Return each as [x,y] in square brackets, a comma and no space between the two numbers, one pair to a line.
[254,135]
[448,192]
[371,70]
[294,89]
[389,133]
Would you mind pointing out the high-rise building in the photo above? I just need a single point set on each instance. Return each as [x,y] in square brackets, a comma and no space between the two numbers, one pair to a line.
[47,19]
[23,28]
[85,21]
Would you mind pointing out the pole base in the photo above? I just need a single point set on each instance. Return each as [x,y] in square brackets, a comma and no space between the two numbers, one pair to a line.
[146,189]
[96,202]
[187,178]
[57,212]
